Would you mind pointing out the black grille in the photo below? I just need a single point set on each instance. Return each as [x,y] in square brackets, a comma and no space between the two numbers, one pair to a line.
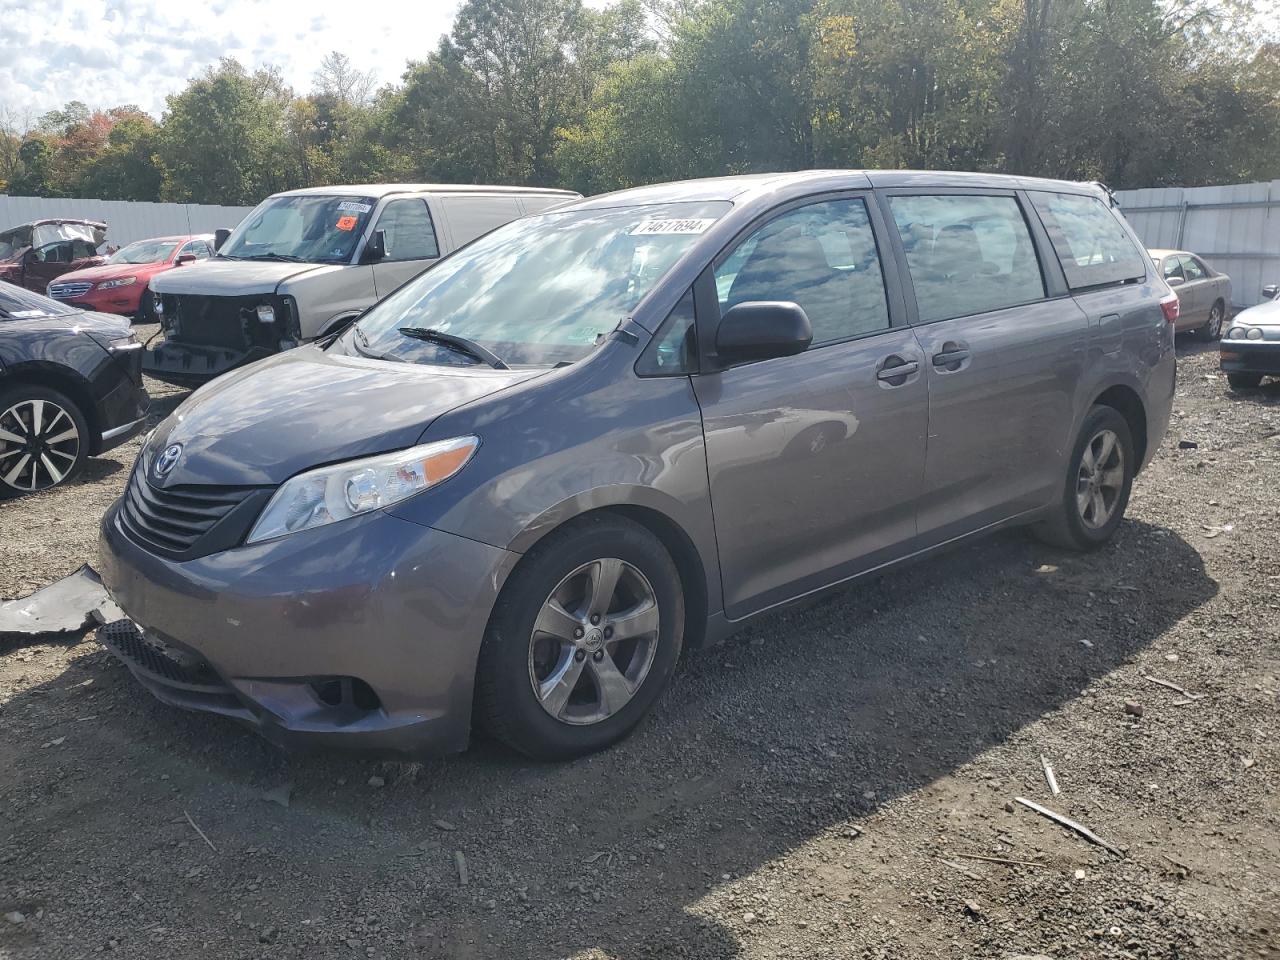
[230,322]
[174,520]
[157,659]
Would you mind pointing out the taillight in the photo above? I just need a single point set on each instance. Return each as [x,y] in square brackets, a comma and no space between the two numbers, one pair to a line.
[1171,307]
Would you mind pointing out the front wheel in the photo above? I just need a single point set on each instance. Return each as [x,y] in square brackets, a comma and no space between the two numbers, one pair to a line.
[1099,479]
[1212,329]
[1244,381]
[44,440]
[583,640]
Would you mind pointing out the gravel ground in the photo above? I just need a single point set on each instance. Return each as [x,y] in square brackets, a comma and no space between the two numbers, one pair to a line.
[809,790]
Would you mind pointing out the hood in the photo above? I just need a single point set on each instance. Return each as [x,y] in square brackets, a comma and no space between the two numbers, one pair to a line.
[102,327]
[232,278]
[304,408]
[1263,315]
[109,271]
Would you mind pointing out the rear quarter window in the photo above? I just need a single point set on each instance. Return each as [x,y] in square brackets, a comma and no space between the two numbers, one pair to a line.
[1091,243]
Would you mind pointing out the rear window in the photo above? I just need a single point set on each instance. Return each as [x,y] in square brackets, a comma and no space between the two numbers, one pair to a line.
[1093,246]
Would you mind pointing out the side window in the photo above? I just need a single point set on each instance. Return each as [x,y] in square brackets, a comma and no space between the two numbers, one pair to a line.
[1173,268]
[824,258]
[967,254]
[1192,268]
[674,350]
[409,233]
[198,248]
[1092,245]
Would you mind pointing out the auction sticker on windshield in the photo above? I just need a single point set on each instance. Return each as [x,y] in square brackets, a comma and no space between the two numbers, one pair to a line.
[354,206]
[648,228]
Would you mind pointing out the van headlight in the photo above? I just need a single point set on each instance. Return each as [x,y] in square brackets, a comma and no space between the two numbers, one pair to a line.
[342,490]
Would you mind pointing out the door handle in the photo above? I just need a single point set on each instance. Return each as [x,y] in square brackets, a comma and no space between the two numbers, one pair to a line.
[895,373]
[949,358]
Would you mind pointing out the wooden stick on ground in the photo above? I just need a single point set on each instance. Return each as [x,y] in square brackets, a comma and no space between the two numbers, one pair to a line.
[1049,777]
[197,829]
[1070,825]
[955,866]
[1175,688]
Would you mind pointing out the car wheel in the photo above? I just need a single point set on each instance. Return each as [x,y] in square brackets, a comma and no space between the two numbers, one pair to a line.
[44,440]
[1212,329]
[1099,479]
[1244,381]
[583,640]
[147,308]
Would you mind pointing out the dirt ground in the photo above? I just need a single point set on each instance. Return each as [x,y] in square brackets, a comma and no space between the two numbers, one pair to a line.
[815,788]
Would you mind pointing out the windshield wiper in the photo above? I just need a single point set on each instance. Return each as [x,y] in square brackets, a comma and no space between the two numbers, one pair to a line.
[287,257]
[460,344]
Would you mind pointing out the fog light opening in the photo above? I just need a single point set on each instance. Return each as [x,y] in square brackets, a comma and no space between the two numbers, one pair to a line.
[339,692]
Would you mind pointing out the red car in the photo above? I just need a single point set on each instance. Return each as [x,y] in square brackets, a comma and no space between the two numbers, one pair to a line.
[33,255]
[121,284]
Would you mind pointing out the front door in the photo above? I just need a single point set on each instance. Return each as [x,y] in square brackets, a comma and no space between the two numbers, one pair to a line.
[410,241]
[815,460]
[1002,358]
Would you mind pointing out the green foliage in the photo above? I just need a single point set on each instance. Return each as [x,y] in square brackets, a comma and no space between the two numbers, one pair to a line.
[556,92]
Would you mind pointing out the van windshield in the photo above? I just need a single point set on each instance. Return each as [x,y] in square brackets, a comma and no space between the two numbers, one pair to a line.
[538,291]
[309,228]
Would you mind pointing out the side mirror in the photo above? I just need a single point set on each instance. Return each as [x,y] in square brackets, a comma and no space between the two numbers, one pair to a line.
[376,247]
[1271,291]
[184,258]
[762,329]
[1175,281]
[220,237]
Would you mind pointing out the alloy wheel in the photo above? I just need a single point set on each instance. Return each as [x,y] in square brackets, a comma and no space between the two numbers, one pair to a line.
[593,642]
[39,444]
[1214,327]
[1100,480]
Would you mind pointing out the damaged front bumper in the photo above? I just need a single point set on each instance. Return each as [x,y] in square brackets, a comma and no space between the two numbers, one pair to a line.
[191,364]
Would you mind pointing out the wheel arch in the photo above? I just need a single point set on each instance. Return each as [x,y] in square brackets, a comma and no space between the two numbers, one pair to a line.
[1126,401]
[64,380]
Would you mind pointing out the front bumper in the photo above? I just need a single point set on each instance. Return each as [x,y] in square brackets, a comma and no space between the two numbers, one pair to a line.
[192,364]
[260,632]
[124,301]
[1250,356]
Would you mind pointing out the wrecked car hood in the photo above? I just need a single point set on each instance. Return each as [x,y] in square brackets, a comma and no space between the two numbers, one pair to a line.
[1263,315]
[263,423]
[233,278]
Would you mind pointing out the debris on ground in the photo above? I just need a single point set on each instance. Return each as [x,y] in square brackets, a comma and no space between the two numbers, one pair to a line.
[69,605]
[1070,825]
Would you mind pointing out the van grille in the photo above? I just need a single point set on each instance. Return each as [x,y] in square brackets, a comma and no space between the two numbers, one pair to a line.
[174,520]
[69,290]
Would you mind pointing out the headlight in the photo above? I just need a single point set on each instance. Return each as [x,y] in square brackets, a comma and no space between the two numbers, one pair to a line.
[344,490]
[159,302]
[1236,333]
[266,313]
[118,282]
[124,344]
[1253,333]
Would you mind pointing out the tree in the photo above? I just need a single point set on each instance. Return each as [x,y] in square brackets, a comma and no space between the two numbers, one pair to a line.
[126,168]
[340,81]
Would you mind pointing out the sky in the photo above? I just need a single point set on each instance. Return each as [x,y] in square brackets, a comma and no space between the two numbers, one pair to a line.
[111,52]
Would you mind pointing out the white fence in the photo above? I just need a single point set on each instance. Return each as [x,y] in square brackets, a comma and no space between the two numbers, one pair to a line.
[126,220]
[1236,228]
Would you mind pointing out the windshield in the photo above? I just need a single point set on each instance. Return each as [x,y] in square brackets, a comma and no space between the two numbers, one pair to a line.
[538,291]
[315,229]
[19,304]
[144,251]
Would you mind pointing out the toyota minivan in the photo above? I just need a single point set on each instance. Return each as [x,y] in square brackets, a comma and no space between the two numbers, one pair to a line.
[304,263]
[520,485]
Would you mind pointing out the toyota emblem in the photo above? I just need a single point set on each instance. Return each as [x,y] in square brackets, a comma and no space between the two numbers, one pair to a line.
[167,461]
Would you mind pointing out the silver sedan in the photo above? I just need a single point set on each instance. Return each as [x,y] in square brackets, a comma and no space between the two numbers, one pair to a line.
[1204,294]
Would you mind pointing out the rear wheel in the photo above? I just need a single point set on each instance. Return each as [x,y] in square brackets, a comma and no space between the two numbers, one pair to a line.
[1212,329]
[583,640]
[1099,480]
[1244,381]
[44,439]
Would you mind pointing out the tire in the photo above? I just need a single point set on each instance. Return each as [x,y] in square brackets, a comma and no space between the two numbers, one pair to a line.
[60,420]
[1212,329]
[147,308]
[1244,381]
[518,700]
[1090,508]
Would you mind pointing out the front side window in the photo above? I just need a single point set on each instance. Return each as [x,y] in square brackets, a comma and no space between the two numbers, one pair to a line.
[198,249]
[823,257]
[308,228]
[144,251]
[674,350]
[408,231]
[538,291]
[1173,269]
[1192,268]
[967,254]
[1092,245]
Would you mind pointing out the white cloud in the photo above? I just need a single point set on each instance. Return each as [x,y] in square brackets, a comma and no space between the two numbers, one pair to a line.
[109,52]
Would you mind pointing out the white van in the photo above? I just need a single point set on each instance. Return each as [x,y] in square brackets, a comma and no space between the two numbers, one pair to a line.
[303,264]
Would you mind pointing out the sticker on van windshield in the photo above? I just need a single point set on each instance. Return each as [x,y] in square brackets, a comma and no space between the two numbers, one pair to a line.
[354,206]
[648,228]
[346,223]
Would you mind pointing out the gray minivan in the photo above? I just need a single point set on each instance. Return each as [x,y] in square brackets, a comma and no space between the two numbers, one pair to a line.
[520,485]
